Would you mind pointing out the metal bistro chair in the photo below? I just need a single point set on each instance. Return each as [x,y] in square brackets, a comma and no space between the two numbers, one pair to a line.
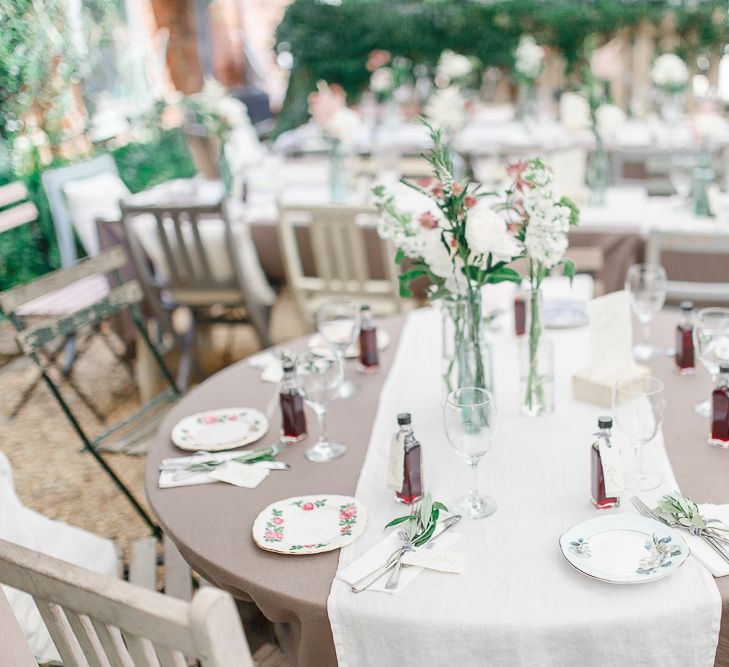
[186,269]
[131,435]
[690,243]
[339,245]
[99,621]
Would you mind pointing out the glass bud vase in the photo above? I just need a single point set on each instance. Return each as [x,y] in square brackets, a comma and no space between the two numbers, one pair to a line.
[466,352]
[536,363]
[597,174]
[337,174]
[703,178]
[527,102]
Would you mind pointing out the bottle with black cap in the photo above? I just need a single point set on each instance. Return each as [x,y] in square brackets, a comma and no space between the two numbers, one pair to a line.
[606,468]
[293,417]
[405,475]
[720,409]
[685,339]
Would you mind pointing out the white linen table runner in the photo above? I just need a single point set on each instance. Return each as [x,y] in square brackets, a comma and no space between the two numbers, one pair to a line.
[518,602]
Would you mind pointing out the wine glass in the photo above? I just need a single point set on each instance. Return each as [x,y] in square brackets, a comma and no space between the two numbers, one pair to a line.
[711,340]
[639,406]
[646,287]
[319,377]
[681,175]
[338,323]
[469,416]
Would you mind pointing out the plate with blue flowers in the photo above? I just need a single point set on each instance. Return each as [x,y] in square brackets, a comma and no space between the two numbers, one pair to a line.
[624,549]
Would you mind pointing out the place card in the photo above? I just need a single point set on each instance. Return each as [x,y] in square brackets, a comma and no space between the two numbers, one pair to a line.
[396,463]
[240,474]
[611,345]
[442,561]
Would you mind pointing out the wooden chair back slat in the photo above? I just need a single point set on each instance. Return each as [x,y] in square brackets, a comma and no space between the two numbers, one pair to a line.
[17,216]
[182,249]
[108,261]
[166,248]
[99,621]
[12,193]
[200,248]
[42,333]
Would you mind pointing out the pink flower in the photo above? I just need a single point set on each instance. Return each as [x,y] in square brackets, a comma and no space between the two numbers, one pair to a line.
[307,507]
[469,201]
[233,418]
[457,189]
[277,520]
[346,530]
[326,102]
[515,172]
[348,512]
[427,220]
[273,535]
[377,59]
[432,186]
[210,420]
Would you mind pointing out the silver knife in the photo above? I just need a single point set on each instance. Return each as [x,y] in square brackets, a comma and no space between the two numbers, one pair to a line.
[365,582]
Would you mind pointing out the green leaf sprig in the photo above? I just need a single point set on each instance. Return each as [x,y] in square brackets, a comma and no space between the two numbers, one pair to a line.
[421,522]
[265,454]
[675,508]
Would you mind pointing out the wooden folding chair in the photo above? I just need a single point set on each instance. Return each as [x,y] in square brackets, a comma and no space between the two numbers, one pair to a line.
[95,620]
[133,434]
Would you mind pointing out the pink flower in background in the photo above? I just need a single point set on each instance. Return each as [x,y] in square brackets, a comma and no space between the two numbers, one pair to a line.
[307,507]
[348,512]
[377,59]
[457,189]
[515,171]
[427,220]
[469,201]
[606,61]
[432,185]
[233,418]
[327,101]
[277,520]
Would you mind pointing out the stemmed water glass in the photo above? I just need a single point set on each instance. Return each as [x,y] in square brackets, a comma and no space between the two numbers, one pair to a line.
[711,340]
[639,406]
[646,287]
[319,377]
[338,322]
[681,175]
[469,416]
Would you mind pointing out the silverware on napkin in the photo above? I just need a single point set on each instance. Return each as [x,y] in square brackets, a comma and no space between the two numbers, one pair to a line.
[365,582]
[649,513]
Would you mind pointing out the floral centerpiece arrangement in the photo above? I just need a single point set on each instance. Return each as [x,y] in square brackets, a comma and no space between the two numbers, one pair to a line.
[465,239]
[389,75]
[340,125]
[670,76]
[454,69]
[528,65]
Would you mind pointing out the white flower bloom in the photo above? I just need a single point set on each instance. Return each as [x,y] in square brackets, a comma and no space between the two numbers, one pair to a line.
[233,112]
[610,120]
[545,244]
[343,125]
[382,80]
[434,253]
[486,232]
[709,125]
[446,109]
[670,72]
[574,111]
[453,66]
[528,57]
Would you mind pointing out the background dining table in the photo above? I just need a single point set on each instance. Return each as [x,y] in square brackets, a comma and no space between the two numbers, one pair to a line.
[211,524]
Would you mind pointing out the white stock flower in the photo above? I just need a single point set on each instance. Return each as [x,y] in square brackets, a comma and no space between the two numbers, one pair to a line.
[233,112]
[529,57]
[453,66]
[446,109]
[670,72]
[545,245]
[382,80]
[610,120]
[486,232]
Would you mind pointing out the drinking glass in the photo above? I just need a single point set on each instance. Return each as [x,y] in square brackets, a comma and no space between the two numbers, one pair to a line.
[639,406]
[338,322]
[646,287]
[681,175]
[469,416]
[319,377]
[711,341]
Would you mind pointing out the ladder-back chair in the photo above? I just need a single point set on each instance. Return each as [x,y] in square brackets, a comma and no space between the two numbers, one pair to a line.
[133,434]
[97,621]
[340,238]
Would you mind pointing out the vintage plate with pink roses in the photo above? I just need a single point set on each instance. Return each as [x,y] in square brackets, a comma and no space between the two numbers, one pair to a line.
[309,524]
[218,430]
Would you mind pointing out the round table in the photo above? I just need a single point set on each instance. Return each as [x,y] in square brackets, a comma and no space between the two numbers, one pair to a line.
[211,524]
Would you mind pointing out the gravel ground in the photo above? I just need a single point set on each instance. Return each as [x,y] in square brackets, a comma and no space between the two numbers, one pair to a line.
[53,475]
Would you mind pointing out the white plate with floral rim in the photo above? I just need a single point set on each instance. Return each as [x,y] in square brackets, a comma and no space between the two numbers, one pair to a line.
[624,549]
[309,524]
[318,345]
[218,430]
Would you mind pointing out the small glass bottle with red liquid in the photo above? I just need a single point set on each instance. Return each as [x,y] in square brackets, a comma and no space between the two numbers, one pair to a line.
[293,417]
[603,444]
[412,482]
[520,308]
[720,409]
[685,340]
[369,360]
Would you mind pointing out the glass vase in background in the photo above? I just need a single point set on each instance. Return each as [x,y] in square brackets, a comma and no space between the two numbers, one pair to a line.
[598,174]
[536,362]
[703,178]
[527,102]
[337,173]
[671,106]
[466,352]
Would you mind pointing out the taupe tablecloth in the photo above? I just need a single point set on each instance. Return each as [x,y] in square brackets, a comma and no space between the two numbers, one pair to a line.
[211,524]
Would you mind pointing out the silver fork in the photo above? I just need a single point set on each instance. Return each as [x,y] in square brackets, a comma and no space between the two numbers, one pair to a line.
[648,512]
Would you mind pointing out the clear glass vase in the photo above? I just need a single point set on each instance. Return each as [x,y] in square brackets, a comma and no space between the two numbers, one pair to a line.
[671,106]
[598,174]
[466,352]
[526,102]
[337,174]
[536,363]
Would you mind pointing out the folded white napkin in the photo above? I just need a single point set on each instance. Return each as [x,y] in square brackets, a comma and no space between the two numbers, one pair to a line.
[703,552]
[378,555]
[270,365]
[167,477]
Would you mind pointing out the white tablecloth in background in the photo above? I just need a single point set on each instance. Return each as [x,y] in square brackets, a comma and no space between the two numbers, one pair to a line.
[518,602]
